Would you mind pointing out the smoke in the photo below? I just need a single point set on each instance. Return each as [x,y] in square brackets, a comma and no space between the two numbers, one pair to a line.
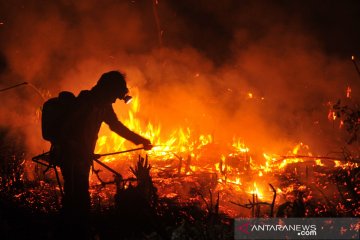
[255,70]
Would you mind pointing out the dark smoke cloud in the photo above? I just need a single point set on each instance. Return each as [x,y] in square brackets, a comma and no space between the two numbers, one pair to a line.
[293,56]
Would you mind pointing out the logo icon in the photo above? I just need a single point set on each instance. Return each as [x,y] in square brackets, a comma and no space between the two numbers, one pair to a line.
[244,228]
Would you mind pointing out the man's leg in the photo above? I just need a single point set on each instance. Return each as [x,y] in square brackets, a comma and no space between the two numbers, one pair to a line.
[76,202]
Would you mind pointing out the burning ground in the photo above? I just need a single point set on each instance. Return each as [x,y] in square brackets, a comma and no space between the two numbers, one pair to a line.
[238,97]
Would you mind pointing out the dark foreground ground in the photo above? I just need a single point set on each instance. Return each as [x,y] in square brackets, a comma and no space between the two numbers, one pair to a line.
[132,219]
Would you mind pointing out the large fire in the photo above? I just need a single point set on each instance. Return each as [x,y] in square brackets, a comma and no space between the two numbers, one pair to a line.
[231,168]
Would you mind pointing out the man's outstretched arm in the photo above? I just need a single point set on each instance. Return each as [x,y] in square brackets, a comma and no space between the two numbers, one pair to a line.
[118,127]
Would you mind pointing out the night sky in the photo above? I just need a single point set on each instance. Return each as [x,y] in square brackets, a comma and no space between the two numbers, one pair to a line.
[210,26]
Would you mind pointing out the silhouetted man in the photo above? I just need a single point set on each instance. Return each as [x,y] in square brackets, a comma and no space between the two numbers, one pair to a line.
[92,107]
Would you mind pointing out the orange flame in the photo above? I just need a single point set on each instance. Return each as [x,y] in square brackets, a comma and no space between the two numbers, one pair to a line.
[228,167]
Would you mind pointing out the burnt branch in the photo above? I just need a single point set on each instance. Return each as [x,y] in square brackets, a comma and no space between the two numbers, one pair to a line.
[273,201]
[255,204]
[350,117]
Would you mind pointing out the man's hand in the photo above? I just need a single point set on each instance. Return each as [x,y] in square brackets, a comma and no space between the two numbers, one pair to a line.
[147,144]
[148,147]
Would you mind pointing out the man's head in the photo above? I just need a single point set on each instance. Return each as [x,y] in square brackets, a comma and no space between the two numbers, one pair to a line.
[111,85]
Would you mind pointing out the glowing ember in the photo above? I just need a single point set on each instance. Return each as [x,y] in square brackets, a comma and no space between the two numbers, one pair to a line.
[319,163]
[348,92]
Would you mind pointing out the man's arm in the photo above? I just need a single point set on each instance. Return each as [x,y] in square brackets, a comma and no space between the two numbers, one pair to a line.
[118,127]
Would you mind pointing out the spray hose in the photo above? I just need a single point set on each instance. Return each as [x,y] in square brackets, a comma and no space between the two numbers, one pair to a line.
[97,156]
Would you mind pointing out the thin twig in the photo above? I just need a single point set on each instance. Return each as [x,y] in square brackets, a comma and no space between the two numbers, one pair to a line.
[250,205]
[273,201]
[202,197]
